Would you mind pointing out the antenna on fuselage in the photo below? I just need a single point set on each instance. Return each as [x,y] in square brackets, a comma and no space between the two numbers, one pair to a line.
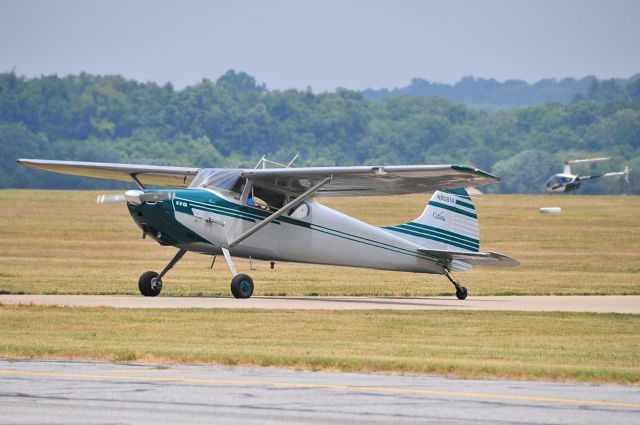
[264,161]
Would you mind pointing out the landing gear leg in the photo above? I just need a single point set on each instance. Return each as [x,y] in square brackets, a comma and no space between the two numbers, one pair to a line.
[150,283]
[461,291]
[241,284]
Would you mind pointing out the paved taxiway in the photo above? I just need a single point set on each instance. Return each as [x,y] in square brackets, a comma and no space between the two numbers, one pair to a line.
[38,392]
[595,304]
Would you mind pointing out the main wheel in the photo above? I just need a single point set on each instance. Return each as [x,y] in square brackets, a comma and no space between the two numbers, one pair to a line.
[461,292]
[150,284]
[241,286]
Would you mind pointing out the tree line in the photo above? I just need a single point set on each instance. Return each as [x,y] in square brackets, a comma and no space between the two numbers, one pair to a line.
[233,121]
[489,94]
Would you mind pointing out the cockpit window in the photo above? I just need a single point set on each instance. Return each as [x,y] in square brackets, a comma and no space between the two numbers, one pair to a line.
[557,181]
[270,199]
[228,182]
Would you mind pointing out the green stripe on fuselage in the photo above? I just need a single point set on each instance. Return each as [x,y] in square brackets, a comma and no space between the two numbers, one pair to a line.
[424,227]
[209,201]
[436,237]
[452,208]
[465,204]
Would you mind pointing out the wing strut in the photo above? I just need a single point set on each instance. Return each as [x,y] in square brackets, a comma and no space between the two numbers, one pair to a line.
[299,200]
[134,177]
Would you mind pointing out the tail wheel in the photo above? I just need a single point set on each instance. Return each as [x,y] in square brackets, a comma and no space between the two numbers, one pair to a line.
[150,284]
[242,286]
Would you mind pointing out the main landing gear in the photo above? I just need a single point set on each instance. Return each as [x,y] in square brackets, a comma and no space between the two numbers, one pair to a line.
[461,291]
[241,284]
[150,283]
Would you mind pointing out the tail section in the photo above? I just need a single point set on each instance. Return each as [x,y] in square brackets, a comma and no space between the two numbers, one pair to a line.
[448,233]
[626,173]
[448,223]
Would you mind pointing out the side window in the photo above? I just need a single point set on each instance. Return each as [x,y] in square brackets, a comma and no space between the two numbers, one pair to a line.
[239,187]
[301,211]
[266,198]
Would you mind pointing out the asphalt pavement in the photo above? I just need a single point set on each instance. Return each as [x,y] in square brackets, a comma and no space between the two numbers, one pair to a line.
[59,392]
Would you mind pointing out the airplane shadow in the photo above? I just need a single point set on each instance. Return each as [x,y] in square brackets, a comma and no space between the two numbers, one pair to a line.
[377,301]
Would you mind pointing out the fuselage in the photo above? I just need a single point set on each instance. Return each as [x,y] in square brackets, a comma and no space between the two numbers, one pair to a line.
[563,183]
[204,221]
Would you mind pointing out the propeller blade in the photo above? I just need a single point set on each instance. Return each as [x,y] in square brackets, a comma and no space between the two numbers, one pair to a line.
[110,199]
[576,161]
[136,197]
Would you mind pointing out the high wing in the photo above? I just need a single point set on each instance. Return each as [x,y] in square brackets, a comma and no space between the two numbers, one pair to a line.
[490,258]
[370,180]
[345,181]
[153,175]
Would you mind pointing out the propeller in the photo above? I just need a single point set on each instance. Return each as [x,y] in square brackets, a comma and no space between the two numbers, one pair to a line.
[110,199]
[576,161]
[136,197]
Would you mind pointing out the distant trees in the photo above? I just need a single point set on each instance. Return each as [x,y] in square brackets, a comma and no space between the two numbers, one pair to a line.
[234,120]
[525,172]
[489,94]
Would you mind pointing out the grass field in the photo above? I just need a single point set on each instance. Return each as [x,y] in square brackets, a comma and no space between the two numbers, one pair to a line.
[62,242]
[556,346]
[55,242]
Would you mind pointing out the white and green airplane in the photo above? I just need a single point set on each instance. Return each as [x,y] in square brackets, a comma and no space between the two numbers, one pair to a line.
[271,214]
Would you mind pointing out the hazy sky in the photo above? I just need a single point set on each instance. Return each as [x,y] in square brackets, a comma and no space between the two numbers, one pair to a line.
[323,44]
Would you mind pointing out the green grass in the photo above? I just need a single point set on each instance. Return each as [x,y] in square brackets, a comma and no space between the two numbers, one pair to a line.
[62,242]
[554,346]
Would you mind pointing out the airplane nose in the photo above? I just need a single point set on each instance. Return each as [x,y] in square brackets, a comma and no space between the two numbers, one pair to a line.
[138,197]
[152,214]
[133,196]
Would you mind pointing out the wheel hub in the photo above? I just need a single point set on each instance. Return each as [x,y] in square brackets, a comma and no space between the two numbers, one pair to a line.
[244,285]
[156,284]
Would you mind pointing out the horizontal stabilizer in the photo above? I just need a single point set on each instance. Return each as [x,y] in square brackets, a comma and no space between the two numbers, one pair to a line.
[490,258]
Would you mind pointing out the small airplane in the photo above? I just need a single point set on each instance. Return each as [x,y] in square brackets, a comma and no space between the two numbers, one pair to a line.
[271,214]
[568,182]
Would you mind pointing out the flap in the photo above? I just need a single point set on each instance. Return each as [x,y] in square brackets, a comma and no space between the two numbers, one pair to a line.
[371,180]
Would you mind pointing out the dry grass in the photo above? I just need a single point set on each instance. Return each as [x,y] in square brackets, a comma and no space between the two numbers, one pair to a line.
[559,346]
[62,242]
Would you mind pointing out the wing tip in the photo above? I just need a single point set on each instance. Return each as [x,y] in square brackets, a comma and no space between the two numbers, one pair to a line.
[26,162]
[467,168]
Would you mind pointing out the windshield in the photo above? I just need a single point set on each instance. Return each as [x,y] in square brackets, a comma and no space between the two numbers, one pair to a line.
[226,181]
[557,181]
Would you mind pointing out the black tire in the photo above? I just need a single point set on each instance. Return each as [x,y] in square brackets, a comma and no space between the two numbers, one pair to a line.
[461,293]
[150,284]
[242,286]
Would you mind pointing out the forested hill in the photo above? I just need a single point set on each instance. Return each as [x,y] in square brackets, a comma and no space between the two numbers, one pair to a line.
[489,94]
[234,121]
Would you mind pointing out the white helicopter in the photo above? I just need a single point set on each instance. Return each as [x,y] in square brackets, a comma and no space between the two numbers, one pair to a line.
[568,182]
[271,214]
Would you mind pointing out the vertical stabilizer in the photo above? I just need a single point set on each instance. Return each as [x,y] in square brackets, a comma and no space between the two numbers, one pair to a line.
[626,173]
[448,223]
